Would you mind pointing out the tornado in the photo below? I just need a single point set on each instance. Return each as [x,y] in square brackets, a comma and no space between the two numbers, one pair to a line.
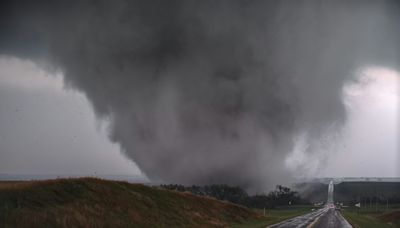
[202,92]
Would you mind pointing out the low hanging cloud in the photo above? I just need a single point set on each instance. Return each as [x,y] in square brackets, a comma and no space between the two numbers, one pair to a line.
[209,91]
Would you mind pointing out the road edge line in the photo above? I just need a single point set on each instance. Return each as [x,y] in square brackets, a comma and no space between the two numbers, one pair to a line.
[315,221]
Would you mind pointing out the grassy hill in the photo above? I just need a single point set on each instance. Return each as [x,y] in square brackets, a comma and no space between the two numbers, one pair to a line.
[90,202]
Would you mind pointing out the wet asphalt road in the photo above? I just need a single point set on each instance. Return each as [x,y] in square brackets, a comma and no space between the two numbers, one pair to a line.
[332,219]
[322,218]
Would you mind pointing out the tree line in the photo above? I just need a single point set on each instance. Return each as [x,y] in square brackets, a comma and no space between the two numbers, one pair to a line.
[281,196]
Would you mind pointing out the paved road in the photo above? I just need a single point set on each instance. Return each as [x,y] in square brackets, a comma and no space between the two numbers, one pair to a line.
[322,218]
[331,219]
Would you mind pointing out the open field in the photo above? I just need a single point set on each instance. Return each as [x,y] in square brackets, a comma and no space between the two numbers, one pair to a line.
[368,218]
[89,202]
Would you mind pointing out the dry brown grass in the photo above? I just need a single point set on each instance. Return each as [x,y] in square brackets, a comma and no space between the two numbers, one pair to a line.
[391,217]
[14,184]
[89,202]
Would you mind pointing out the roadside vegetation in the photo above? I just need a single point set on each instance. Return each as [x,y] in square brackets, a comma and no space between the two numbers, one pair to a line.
[273,216]
[380,216]
[90,202]
[279,204]
[280,197]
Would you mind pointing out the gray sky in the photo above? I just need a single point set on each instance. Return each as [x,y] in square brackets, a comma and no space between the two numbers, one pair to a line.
[46,129]
[370,144]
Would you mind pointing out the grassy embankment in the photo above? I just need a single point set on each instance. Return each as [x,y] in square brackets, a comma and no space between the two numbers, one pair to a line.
[90,202]
[372,218]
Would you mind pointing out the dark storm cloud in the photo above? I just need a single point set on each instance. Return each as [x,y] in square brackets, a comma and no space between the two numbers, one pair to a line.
[209,91]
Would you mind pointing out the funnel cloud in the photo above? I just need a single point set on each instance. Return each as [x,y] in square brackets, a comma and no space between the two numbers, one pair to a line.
[201,92]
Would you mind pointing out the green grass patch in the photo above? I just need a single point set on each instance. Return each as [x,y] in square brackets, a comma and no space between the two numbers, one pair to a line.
[275,216]
[370,218]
